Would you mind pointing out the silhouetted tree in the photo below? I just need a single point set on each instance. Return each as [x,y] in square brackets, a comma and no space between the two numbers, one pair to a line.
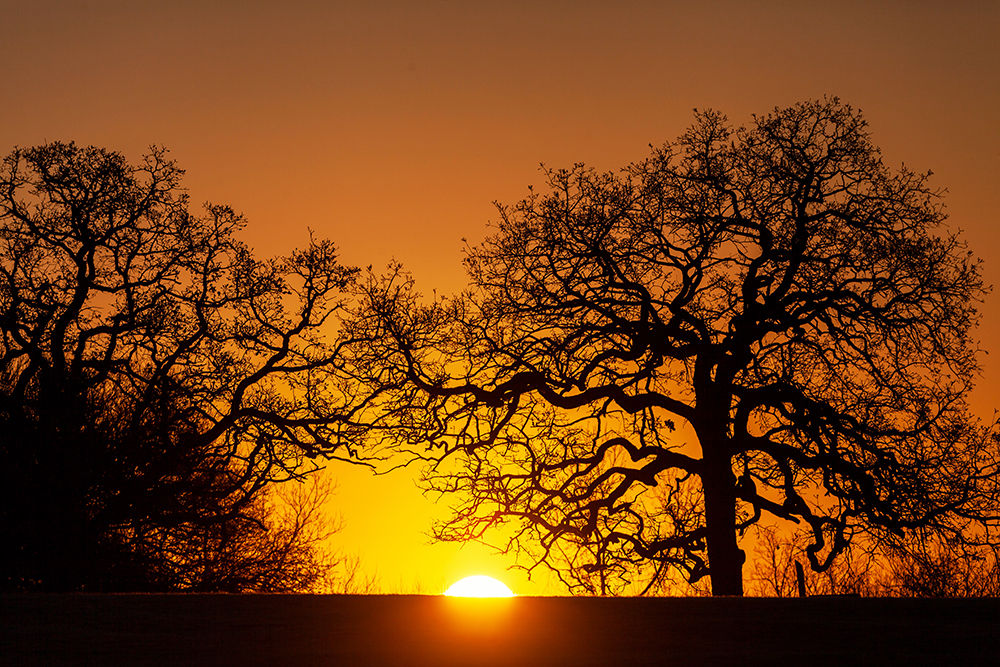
[749,321]
[773,570]
[924,564]
[154,375]
[276,544]
[941,568]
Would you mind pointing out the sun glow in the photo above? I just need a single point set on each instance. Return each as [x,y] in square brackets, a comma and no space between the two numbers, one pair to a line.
[479,586]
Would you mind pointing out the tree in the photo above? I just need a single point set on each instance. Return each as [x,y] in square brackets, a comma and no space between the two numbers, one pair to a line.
[781,553]
[925,564]
[154,376]
[756,321]
[276,544]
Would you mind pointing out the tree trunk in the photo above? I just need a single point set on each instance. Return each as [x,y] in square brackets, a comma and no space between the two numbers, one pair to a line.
[725,558]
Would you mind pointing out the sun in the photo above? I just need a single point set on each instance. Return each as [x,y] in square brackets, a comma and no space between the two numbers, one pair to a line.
[479,586]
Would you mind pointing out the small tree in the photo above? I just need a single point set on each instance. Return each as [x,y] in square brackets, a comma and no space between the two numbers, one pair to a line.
[154,375]
[755,320]
[277,544]
[924,564]
[779,555]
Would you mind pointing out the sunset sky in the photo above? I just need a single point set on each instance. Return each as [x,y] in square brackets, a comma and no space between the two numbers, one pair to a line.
[390,128]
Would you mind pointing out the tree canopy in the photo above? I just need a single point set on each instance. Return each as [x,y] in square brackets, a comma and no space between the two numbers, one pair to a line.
[154,375]
[756,322]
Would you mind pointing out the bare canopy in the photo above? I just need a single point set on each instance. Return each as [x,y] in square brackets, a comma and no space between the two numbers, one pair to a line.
[749,322]
[154,377]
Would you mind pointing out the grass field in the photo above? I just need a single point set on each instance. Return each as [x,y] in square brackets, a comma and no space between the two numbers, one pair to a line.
[310,630]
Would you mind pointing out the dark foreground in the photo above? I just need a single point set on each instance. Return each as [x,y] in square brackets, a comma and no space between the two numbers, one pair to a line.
[414,631]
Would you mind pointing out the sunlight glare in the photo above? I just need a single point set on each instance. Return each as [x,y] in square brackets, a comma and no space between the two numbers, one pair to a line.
[479,586]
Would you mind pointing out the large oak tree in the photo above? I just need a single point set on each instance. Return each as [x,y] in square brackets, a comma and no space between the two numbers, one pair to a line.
[754,322]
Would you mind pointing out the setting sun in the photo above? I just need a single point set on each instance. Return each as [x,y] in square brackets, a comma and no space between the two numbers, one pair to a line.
[479,586]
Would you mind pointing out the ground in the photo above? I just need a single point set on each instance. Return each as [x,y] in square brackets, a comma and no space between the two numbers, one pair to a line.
[413,631]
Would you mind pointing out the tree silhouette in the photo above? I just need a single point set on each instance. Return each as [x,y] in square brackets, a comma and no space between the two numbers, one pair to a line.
[154,375]
[924,564]
[275,544]
[756,321]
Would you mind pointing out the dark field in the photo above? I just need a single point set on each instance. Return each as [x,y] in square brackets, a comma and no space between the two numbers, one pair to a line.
[424,630]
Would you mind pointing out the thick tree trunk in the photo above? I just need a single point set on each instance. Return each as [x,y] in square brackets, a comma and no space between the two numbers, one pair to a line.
[714,397]
[725,558]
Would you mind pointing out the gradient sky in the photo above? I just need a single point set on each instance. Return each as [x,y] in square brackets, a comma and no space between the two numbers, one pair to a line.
[391,128]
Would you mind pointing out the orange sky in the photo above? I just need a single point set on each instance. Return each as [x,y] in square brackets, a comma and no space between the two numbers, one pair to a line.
[392,128]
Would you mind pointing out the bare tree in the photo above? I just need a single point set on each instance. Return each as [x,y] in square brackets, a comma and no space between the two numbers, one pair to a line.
[154,376]
[277,544]
[773,571]
[927,565]
[749,321]
[924,564]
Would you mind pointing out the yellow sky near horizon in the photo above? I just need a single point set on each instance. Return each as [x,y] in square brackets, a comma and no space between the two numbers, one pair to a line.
[391,128]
